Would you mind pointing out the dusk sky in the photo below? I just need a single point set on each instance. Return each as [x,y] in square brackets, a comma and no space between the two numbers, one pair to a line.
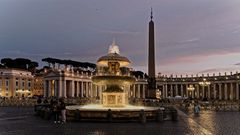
[191,36]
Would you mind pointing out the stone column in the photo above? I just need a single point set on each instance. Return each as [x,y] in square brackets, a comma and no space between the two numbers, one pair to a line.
[171,90]
[72,88]
[186,89]
[138,94]
[81,88]
[225,91]
[237,91]
[134,91]
[209,92]
[77,94]
[214,90]
[144,88]
[231,91]
[176,94]
[45,88]
[91,89]
[197,86]
[166,88]
[65,88]
[203,91]
[220,91]
[50,88]
[182,90]
[86,90]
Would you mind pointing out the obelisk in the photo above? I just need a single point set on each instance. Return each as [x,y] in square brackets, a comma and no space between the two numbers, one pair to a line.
[151,61]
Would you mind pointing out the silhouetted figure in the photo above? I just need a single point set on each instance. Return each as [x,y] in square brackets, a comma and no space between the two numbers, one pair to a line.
[56,111]
[63,110]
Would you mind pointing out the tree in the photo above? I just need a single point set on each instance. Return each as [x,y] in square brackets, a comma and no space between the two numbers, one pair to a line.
[7,62]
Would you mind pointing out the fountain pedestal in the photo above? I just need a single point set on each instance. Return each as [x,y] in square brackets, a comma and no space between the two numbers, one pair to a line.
[113,99]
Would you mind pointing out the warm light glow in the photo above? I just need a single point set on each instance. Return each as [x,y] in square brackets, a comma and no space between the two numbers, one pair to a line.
[100,107]
[204,82]
[23,91]
[190,88]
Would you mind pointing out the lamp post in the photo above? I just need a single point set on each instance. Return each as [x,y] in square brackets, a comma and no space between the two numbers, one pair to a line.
[190,89]
[203,84]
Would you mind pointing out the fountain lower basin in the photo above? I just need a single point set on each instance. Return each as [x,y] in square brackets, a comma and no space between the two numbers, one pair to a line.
[100,113]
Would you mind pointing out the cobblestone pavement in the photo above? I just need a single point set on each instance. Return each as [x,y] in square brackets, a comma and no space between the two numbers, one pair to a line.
[20,121]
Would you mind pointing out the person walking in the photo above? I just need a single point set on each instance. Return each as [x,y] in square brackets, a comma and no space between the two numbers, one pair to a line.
[63,110]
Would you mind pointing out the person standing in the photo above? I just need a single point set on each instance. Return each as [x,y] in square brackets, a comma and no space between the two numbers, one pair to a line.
[56,110]
[63,110]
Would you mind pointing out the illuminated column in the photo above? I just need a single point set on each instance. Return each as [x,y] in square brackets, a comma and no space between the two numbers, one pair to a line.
[225,91]
[144,86]
[209,92]
[91,89]
[81,88]
[164,93]
[214,90]
[64,90]
[231,91]
[72,88]
[171,90]
[237,91]
[87,89]
[138,89]
[134,91]
[220,91]
[49,88]
[100,92]
[59,87]
[45,88]
[77,94]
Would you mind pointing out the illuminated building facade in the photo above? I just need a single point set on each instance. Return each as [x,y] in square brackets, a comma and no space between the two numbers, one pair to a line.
[67,83]
[38,85]
[15,83]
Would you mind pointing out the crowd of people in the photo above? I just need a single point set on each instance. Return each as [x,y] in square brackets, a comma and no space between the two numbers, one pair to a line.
[57,108]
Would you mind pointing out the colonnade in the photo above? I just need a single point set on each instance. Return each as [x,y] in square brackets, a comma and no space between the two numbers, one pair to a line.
[67,88]
[138,90]
[216,90]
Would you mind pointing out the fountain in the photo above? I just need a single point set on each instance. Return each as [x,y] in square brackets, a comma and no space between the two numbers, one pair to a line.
[113,73]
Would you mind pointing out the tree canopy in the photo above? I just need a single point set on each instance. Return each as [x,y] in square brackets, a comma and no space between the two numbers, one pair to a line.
[21,63]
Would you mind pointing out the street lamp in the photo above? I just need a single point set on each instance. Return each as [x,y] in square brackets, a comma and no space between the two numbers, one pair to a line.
[204,83]
[190,89]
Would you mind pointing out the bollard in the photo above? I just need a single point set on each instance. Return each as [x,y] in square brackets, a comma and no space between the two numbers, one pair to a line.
[77,115]
[159,116]
[174,114]
[109,115]
[142,117]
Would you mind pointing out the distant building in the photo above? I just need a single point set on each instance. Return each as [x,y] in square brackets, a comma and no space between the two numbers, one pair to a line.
[68,83]
[15,83]
[38,84]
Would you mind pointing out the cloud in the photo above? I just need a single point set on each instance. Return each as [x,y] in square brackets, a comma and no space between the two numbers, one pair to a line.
[191,40]
[193,58]
[123,32]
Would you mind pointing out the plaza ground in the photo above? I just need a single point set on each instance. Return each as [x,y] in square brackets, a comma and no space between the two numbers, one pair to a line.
[21,121]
